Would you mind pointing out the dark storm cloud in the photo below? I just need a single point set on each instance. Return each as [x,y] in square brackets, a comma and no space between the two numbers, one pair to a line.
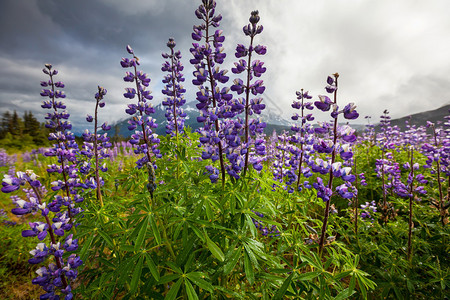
[85,40]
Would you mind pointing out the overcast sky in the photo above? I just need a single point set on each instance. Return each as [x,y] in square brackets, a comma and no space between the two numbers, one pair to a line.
[391,55]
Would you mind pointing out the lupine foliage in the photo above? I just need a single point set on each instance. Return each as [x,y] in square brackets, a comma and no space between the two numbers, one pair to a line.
[146,219]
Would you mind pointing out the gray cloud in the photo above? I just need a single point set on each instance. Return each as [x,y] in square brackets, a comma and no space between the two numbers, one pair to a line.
[391,55]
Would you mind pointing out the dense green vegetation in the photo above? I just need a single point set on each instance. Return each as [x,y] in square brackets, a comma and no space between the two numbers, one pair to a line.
[24,133]
[194,239]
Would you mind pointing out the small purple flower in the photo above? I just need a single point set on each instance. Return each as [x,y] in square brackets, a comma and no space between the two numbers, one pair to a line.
[324,104]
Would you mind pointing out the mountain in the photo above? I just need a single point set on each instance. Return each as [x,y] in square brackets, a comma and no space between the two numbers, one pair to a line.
[272,117]
[420,119]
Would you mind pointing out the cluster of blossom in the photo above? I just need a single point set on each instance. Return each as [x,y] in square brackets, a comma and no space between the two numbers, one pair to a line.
[389,169]
[95,146]
[439,153]
[281,162]
[55,278]
[173,90]
[249,128]
[212,100]
[342,136]
[271,231]
[33,155]
[5,219]
[403,189]
[304,137]
[239,139]
[368,209]
[369,131]
[413,135]
[145,140]
[389,137]
[7,160]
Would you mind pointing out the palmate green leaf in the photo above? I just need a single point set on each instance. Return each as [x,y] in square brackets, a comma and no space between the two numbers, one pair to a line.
[186,251]
[280,293]
[192,295]
[177,231]
[215,250]
[172,294]
[137,223]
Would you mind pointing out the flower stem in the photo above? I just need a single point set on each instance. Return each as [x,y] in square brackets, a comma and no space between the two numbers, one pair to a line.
[330,181]
[411,198]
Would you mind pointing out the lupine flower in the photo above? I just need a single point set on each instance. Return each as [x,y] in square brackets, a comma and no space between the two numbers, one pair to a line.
[54,279]
[173,90]
[146,140]
[368,210]
[213,100]
[271,231]
[97,146]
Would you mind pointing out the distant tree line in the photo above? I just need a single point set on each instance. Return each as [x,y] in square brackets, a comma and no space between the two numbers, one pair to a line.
[22,133]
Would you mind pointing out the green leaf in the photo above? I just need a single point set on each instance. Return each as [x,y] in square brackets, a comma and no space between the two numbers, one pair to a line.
[198,279]
[308,276]
[398,293]
[229,292]
[141,236]
[192,295]
[196,231]
[209,212]
[280,293]
[172,294]
[215,250]
[152,267]
[136,230]
[174,267]
[231,263]
[251,255]
[106,238]
[155,229]
[136,276]
[352,283]
[362,287]
[345,294]
[125,267]
[248,267]
[168,278]
[86,246]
